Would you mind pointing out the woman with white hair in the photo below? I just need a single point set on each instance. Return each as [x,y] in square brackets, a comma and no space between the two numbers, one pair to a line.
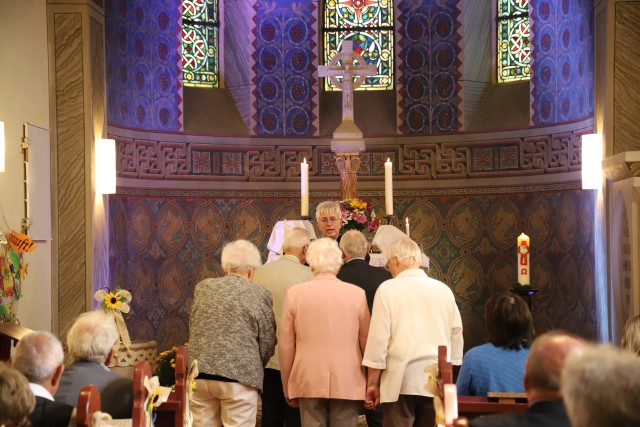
[232,333]
[322,337]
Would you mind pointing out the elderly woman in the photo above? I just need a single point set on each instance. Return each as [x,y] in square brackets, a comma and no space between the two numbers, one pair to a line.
[322,337]
[498,366]
[16,399]
[631,335]
[232,335]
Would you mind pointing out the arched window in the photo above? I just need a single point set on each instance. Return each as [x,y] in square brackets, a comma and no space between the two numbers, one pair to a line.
[369,25]
[200,30]
[514,40]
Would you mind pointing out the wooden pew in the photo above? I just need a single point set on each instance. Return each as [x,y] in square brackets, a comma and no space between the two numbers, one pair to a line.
[88,403]
[10,334]
[473,406]
[142,370]
[171,413]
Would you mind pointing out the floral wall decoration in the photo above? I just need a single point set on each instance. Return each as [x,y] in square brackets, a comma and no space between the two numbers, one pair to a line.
[14,269]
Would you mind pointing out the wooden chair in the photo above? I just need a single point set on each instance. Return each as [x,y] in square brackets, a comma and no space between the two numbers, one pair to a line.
[473,406]
[172,412]
[88,403]
[10,334]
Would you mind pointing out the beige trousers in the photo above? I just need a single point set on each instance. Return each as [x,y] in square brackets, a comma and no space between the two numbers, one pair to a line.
[218,403]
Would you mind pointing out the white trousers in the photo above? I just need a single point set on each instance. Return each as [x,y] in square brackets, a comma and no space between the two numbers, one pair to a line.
[220,403]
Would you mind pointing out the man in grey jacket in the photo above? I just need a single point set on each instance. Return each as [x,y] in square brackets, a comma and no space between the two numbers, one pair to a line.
[277,277]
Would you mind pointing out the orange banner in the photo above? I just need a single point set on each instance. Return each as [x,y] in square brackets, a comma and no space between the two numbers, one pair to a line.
[20,242]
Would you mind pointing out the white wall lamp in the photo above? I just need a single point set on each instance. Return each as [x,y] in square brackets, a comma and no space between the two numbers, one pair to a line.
[592,161]
[105,166]
[1,146]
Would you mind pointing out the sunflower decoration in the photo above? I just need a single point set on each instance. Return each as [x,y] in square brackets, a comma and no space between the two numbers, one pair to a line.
[433,386]
[116,302]
[156,395]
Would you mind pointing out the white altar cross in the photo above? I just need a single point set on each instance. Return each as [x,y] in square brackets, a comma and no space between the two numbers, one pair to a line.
[352,66]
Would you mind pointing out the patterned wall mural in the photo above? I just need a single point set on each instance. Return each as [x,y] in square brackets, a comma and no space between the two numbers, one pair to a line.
[563,77]
[285,95]
[428,67]
[164,242]
[142,48]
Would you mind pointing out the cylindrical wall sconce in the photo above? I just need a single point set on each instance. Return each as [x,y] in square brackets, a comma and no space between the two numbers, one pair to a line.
[591,161]
[105,166]
[2,146]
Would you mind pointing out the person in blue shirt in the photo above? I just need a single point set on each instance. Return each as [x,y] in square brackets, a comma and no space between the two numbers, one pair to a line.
[498,366]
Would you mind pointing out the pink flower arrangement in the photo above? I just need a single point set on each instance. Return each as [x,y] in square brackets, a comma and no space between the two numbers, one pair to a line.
[357,214]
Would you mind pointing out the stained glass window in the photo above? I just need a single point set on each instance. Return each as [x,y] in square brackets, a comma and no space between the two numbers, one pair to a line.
[200,28]
[368,24]
[514,40]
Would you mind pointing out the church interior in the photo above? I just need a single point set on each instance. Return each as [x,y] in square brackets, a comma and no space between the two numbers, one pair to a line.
[476,161]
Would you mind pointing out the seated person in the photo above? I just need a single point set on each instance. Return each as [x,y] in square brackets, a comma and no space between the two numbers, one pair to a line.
[39,357]
[631,335]
[498,366]
[16,399]
[601,387]
[91,342]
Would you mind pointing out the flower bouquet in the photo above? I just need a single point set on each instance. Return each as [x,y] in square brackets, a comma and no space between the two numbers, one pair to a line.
[166,367]
[358,215]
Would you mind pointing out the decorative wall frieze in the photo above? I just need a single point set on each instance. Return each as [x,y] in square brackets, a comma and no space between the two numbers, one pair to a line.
[188,158]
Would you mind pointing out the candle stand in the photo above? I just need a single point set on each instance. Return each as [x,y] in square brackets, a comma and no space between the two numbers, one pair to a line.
[389,218]
[525,291]
[304,218]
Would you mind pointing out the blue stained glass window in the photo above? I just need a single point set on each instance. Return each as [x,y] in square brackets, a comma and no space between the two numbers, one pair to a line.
[368,24]
[514,40]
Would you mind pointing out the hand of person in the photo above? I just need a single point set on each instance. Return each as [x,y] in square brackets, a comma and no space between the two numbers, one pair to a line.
[372,397]
[292,402]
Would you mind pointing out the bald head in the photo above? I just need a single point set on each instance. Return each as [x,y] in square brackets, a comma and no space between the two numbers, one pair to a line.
[545,362]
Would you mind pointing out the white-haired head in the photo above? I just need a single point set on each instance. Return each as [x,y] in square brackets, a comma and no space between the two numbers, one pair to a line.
[92,337]
[295,240]
[37,356]
[324,256]
[407,252]
[354,244]
[240,256]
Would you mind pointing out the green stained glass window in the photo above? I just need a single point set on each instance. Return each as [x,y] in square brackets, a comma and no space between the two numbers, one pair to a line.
[200,29]
[514,40]
[368,24]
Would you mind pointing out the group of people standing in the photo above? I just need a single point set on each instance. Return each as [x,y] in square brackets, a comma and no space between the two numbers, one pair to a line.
[338,347]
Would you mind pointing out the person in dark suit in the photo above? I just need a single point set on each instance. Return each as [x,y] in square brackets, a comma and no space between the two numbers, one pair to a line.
[358,272]
[91,341]
[39,357]
[542,385]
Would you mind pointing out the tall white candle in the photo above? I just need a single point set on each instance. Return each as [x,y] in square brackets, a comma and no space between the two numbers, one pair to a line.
[524,267]
[388,187]
[304,188]
[450,404]
[406,227]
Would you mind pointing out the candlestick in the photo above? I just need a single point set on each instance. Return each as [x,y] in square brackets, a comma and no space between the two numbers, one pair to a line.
[524,266]
[388,187]
[304,188]
[450,404]
[406,227]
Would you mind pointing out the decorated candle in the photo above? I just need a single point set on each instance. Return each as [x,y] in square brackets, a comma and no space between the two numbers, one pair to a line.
[304,188]
[450,404]
[388,187]
[524,266]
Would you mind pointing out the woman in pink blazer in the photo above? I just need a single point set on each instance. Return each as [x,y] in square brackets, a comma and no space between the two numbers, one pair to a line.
[322,337]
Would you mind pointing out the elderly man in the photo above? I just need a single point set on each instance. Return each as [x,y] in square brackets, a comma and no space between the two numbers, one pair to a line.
[543,368]
[232,336]
[412,315]
[91,340]
[329,219]
[322,335]
[356,270]
[277,277]
[601,387]
[39,357]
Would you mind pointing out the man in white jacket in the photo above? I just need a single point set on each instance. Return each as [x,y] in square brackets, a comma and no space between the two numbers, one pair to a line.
[412,315]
